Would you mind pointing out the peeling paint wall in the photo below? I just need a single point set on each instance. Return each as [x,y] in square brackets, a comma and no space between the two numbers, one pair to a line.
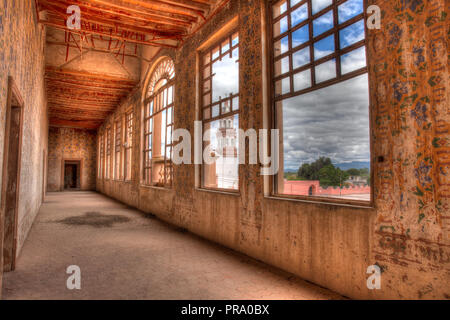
[70,143]
[22,44]
[407,233]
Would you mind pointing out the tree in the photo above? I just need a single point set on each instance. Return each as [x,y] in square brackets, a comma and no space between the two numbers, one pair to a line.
[330,176]
[311,171]
[354,172]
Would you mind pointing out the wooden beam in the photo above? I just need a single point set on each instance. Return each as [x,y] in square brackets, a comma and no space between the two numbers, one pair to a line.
[105,34]
[132,16]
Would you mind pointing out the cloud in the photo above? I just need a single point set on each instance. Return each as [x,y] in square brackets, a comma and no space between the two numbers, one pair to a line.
[349,9]
[331,122]
[226,77]
[318,5]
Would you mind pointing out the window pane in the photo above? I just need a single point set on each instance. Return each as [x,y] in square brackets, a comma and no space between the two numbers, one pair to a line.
[279,8]
[235,54]
[352,34]
[324,47]
[318,5]
[225,46]
[350,9]
[216,53]
[281,46]
[353,60]
[326,71]
[170,93]
[225,79]
[323,23]
[235,39]
[215,111]
[280,27]
[226,106]
[301,58]
[282,66]
[300,36]
[302,80]
[326,133]
[299,15]
[236,104]
[282,86]
[223,172]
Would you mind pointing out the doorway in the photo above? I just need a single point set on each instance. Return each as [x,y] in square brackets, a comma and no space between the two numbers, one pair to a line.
[11,175]
[72,175]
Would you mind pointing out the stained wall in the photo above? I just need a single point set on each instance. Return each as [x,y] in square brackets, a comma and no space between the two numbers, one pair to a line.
[405,232]
[22,44]
[71,144]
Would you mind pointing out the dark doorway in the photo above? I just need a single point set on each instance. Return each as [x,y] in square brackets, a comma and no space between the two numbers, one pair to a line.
[72,175]
[11,176]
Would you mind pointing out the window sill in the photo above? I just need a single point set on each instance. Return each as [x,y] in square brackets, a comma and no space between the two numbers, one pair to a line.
[228,193]
[325,201]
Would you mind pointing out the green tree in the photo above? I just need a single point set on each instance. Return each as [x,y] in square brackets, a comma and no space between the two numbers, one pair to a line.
[311,171]
[330,176]
[354,172]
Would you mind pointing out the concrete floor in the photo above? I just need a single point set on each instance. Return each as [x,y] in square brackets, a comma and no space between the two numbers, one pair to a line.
[125,254]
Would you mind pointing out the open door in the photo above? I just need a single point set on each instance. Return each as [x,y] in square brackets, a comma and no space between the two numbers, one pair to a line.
[71,174]
[11,175]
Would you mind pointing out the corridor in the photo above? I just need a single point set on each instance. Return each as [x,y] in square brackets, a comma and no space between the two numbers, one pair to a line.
[126,254]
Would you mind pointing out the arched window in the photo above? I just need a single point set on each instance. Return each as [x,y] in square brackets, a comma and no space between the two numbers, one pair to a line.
[158,125]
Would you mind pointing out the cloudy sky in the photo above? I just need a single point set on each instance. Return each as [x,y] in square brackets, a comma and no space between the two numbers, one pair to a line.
[334,121]
[331,122]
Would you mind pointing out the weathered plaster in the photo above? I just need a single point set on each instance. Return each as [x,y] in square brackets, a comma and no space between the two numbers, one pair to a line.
[407,231]
[71,143]
[22,44]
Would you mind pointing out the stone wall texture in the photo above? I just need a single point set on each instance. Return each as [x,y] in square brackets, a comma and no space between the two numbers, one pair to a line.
[406,232]
[71,144]
[22,44]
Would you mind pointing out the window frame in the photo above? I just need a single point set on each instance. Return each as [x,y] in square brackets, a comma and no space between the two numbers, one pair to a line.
[108,153]
[168,164]
[118,145]
[101,156]
[273,99]
[128,144]
[202,53]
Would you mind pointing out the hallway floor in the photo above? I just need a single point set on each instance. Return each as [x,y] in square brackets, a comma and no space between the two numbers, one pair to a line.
[125,254]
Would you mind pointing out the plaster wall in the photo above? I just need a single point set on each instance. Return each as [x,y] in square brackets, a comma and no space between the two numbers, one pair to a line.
[22,44]
[406,232]
[71,144]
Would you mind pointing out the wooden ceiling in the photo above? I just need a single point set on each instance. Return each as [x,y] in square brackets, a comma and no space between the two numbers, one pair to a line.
[81,99]
[147,22]
[84,97]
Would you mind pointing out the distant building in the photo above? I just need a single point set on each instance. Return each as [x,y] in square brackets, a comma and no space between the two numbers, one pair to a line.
[227,164]
[356,181]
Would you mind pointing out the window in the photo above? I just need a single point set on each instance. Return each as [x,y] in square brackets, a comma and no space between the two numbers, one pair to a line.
[108,154]
[158,126]
[128,146]
[101,156]
[118,150]
[220,114]
[321,98]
